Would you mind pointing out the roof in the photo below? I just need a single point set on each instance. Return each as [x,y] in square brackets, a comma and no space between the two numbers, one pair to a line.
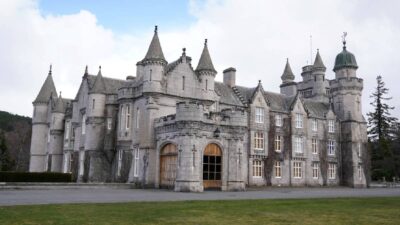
[345,59]
[99,85]
[205,62]
[155,51]
[227,95]
[318,64]
[48,89]
[316,109]
[287,73]
[111,84]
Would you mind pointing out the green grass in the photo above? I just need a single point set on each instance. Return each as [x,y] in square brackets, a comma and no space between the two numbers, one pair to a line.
[308,211]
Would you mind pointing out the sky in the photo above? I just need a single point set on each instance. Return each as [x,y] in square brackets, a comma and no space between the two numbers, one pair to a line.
[254,36]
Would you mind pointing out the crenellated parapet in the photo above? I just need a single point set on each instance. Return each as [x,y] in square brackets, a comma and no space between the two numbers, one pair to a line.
[351,83]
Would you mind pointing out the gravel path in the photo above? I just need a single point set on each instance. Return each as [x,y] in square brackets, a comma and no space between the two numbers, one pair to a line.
[105,195]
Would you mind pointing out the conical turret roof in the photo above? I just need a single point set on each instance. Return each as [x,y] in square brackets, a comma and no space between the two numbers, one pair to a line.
[155,51]
[205,63]
[48,89]
[287,73]
[318,64]
[99,86]
[59,107]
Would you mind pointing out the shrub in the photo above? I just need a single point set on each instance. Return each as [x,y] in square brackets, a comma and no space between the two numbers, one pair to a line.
[35,177]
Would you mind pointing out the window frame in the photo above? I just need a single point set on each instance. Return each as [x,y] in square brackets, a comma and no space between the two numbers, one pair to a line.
[259,115]
[331,171]
[314,146]
[278,143]
[136,161]
[297,170]
[331,147]
[299,120]
[278,169]
[259,140]
[278,120]
[331,126]
[315,170]
[299,144]
[314,125]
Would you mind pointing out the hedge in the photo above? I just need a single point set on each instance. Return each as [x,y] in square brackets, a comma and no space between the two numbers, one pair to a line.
[35,177]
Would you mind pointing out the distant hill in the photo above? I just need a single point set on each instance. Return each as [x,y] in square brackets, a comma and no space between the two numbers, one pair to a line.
[17,130]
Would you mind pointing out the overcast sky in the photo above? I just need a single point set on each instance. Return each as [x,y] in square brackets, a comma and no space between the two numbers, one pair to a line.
[253,36]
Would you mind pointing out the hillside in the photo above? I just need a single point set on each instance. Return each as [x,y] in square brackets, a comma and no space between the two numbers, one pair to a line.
[17,133]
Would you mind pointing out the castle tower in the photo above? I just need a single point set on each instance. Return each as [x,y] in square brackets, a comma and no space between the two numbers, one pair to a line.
[346,91]
[151,69]
[99,169]
[40,126]
[206,72]
[288,86]
[318,76]
[57,135]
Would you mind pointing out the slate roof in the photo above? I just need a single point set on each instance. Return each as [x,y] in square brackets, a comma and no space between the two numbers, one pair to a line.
[155,51]
[48,89]
[227,95]
[111,84]
[287,73]
[318,62]
[316,109]
[99,85]
[205,62]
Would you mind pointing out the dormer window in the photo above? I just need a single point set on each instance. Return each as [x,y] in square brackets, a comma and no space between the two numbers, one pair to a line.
[278,120]
[299,120]
[259,115]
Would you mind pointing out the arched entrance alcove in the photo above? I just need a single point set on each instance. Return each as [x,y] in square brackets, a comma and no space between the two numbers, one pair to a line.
[212,167]
[168,166]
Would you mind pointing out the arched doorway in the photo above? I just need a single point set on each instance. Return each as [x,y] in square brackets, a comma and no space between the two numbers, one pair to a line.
[212,167]
[168,159]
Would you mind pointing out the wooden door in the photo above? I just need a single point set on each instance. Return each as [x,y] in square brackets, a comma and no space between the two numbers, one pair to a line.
[168,160]
[212,167]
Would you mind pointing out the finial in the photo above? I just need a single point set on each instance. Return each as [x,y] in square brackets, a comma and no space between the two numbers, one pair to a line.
[155,29]
[287,60]
[51,68]
[317,49]
[205,42]
[259,81]
[100,68]
[183,51]
[86,70]
[344,39]
[60,94]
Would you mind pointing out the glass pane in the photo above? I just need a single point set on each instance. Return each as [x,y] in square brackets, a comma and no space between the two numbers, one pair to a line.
[205,159]
[218,168]
[205,176]
[211,176]
[212,167]
[218,159]
[205,167]
[218,176]
[212,159]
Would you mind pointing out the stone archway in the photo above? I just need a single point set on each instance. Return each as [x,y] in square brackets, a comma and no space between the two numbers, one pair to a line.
[212,167]
[168,166]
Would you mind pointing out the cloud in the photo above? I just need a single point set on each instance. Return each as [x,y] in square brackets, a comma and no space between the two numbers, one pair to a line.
[254,36]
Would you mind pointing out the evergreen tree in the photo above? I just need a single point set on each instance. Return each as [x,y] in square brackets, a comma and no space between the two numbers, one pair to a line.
[6,163]
[380,122]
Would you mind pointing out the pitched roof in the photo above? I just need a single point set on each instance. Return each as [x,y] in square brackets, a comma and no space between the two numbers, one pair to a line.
[205,62]
[318,62]
[60,106]
[48,89]
[316,109]
[287,73]
[227,95]
[155,51]
[99,86]
[111,84]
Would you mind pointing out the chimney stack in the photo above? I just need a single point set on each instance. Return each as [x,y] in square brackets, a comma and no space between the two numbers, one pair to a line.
[230,77]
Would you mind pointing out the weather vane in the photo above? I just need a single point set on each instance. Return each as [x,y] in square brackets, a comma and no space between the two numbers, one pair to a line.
[344,38]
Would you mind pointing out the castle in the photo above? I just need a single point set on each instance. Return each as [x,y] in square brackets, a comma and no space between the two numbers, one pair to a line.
[173,126]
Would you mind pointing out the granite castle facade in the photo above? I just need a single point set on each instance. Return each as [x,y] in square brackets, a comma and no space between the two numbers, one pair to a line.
[174,126]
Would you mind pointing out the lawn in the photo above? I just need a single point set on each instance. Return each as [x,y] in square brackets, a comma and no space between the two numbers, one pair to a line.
[308,211]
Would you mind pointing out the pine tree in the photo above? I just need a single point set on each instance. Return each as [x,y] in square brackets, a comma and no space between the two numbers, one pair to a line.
[6,163]
[380,122]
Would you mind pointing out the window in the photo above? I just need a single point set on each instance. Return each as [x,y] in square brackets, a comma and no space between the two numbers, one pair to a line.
[297,169]
[109,123]
[259,140]
[359,172]
[183,83]
[359,149]
[332,171]
[278,143]
[315,170]
[257,168]
[278,169]
[206,85]
[314,125]
[298,144]
[84,124]
[65,167]
[137,118]
[121,117]
[151,75]
[314,146]
[136,166]
[331,126]
[331,147]
[128,117]
[67,129]
[81,162]
[299,120]
[259,115]
[48,135]
[93,103]
[119,163]
[278,120]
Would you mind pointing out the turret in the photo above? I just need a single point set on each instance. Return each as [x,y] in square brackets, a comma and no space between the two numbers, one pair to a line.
[318,76]
[345,63]
[57,135]
[288,86]
[151,69]
[40,126]
[206,72]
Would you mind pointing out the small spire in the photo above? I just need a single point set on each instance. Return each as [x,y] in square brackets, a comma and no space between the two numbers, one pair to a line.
[318,62]
[287,75]
[86,70]
[205,62]
[205,42]
[156,29]
[99,70]
[154,51]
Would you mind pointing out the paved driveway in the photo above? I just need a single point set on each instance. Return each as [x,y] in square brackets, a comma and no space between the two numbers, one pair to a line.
[104,195]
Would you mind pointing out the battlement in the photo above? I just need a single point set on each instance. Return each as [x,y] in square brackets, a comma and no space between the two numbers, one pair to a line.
[345,82]
[189,111]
